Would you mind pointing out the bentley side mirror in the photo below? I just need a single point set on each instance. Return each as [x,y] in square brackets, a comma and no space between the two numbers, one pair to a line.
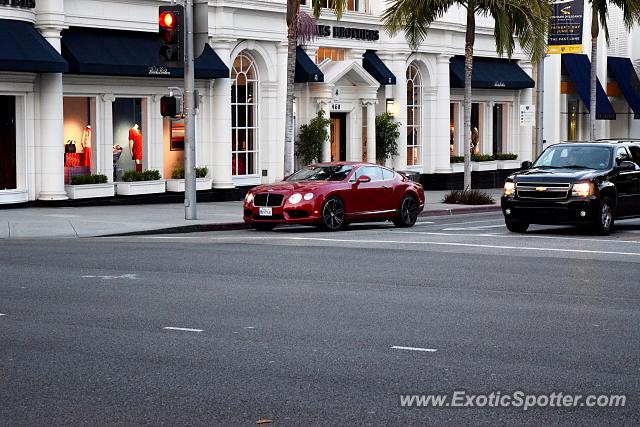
[526,164]
[626,165]
[363,179]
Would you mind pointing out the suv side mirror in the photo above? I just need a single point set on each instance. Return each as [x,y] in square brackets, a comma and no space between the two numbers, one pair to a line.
[626,165]
[362,179]
[526,164]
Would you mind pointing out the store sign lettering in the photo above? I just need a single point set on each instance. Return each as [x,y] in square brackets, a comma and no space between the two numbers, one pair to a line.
[25,4]
[499,84]
[347,33]
[159,71]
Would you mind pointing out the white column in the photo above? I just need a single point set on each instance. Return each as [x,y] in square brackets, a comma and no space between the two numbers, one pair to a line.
[440,134]
[526,132]
[105,134]
[155,135]
[221,123]
[553,119]
[325,105]
[371,129]
[400,107]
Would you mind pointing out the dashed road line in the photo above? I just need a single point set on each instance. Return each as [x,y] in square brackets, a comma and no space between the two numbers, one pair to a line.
[172,328]
[426,350]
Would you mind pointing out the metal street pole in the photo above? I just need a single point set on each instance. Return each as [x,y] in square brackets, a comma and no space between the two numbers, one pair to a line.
[540,107]
[190,207]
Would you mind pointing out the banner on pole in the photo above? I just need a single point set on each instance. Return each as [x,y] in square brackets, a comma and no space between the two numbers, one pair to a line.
[565,27]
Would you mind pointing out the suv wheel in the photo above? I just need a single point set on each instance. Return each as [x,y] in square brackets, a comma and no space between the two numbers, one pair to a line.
[603,221]
[516,226]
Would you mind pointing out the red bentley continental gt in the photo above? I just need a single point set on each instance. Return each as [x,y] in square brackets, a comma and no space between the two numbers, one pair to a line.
[332,195]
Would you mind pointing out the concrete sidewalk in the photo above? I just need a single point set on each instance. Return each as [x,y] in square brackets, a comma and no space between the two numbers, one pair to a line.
[74,222]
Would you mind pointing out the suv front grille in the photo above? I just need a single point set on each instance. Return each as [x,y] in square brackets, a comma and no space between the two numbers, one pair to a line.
[268,199]
[543,190]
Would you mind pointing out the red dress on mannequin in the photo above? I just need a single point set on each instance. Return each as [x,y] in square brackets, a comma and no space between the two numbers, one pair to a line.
[86,145]
[136,136]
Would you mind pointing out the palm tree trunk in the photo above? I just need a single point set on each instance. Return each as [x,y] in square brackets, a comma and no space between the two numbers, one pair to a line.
[595,30]
[468,72]
[293,7]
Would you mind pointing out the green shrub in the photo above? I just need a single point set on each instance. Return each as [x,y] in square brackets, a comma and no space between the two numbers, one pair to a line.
[481,157]
[470,197]
[457,159]
[89,179]
[506,156]
[387,134]
[148,175]
[311,137]
[179,173]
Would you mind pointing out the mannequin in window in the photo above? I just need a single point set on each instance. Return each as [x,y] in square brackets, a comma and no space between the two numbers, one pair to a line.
[135,146]
[86,146]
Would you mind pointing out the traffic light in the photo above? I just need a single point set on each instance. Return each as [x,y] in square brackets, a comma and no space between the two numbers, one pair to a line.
[170,106]
[171,35]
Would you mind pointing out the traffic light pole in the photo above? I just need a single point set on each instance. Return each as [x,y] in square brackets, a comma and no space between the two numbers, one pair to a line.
[190,203]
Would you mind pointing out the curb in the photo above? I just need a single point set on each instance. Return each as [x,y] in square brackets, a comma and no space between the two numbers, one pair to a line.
[461,211]
[235,226]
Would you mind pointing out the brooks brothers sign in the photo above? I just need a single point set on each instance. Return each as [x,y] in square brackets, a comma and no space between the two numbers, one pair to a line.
[347,33]
[26,4]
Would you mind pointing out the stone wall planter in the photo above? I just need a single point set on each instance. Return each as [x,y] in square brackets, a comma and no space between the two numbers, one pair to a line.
[484,166]
[177,185]
[457,167]
[508,164]
[88,191]
[140,187]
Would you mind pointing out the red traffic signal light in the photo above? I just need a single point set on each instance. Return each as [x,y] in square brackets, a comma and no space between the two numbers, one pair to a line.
[171,36]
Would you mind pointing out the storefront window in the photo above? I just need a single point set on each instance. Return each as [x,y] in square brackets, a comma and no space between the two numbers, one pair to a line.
[414,116]
[8,179]
[454,113]
[352,5]
[79,136]
[477,111]
[573,105]
[173,146]
[333,53]
[499,128]
[364,132]
[128,131]
[244,113]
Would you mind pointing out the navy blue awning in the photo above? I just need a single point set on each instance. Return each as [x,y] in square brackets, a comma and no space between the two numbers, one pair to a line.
[624,73]
[378,70]
[128,53]
[306,70]
[25,50]
[579,68]
[490,73]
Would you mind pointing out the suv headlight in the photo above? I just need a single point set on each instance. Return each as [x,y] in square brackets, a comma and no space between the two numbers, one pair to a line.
[248,198]
[582,189]
[509,188]
[295,198]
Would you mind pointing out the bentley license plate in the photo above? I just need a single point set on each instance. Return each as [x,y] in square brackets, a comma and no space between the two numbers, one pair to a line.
[266,211]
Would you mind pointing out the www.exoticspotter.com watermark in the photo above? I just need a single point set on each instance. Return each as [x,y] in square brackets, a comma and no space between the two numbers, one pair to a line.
[516,399]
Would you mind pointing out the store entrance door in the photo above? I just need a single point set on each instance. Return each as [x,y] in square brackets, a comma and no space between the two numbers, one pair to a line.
[338,137]
[7,143]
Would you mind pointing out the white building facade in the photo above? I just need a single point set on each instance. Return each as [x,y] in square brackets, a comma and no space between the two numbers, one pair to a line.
[80,93]
[566,107]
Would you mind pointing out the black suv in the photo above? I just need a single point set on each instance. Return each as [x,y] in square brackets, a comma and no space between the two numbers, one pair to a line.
[575,183]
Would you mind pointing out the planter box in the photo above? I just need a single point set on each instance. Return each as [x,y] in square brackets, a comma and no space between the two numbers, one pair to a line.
[88,191]
[177,185]
[484,166]
[509,164]
[457,167]
[140,187]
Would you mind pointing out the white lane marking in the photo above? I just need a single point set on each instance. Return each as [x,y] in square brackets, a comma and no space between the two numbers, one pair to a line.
[470,222]
[512,236]
[169,237]
[481,227]
[401,242]
[249,327]
[2,314]
[171,328]
[429,350]
[123,276]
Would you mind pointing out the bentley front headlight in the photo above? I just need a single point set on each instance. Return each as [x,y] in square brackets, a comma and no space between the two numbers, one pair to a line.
[248,198]
[295,198]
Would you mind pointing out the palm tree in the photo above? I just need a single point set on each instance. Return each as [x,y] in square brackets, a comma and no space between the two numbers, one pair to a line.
[525,19]
[600,12]
[300,28]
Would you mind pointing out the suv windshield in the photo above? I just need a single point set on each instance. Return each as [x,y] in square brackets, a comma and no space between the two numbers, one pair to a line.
[575,157]
[321,173]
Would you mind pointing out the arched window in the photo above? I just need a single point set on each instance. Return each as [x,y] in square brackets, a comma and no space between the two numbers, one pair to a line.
[244,115]
[414,116]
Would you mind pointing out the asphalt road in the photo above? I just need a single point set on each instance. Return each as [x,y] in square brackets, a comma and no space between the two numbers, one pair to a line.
[308,328]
